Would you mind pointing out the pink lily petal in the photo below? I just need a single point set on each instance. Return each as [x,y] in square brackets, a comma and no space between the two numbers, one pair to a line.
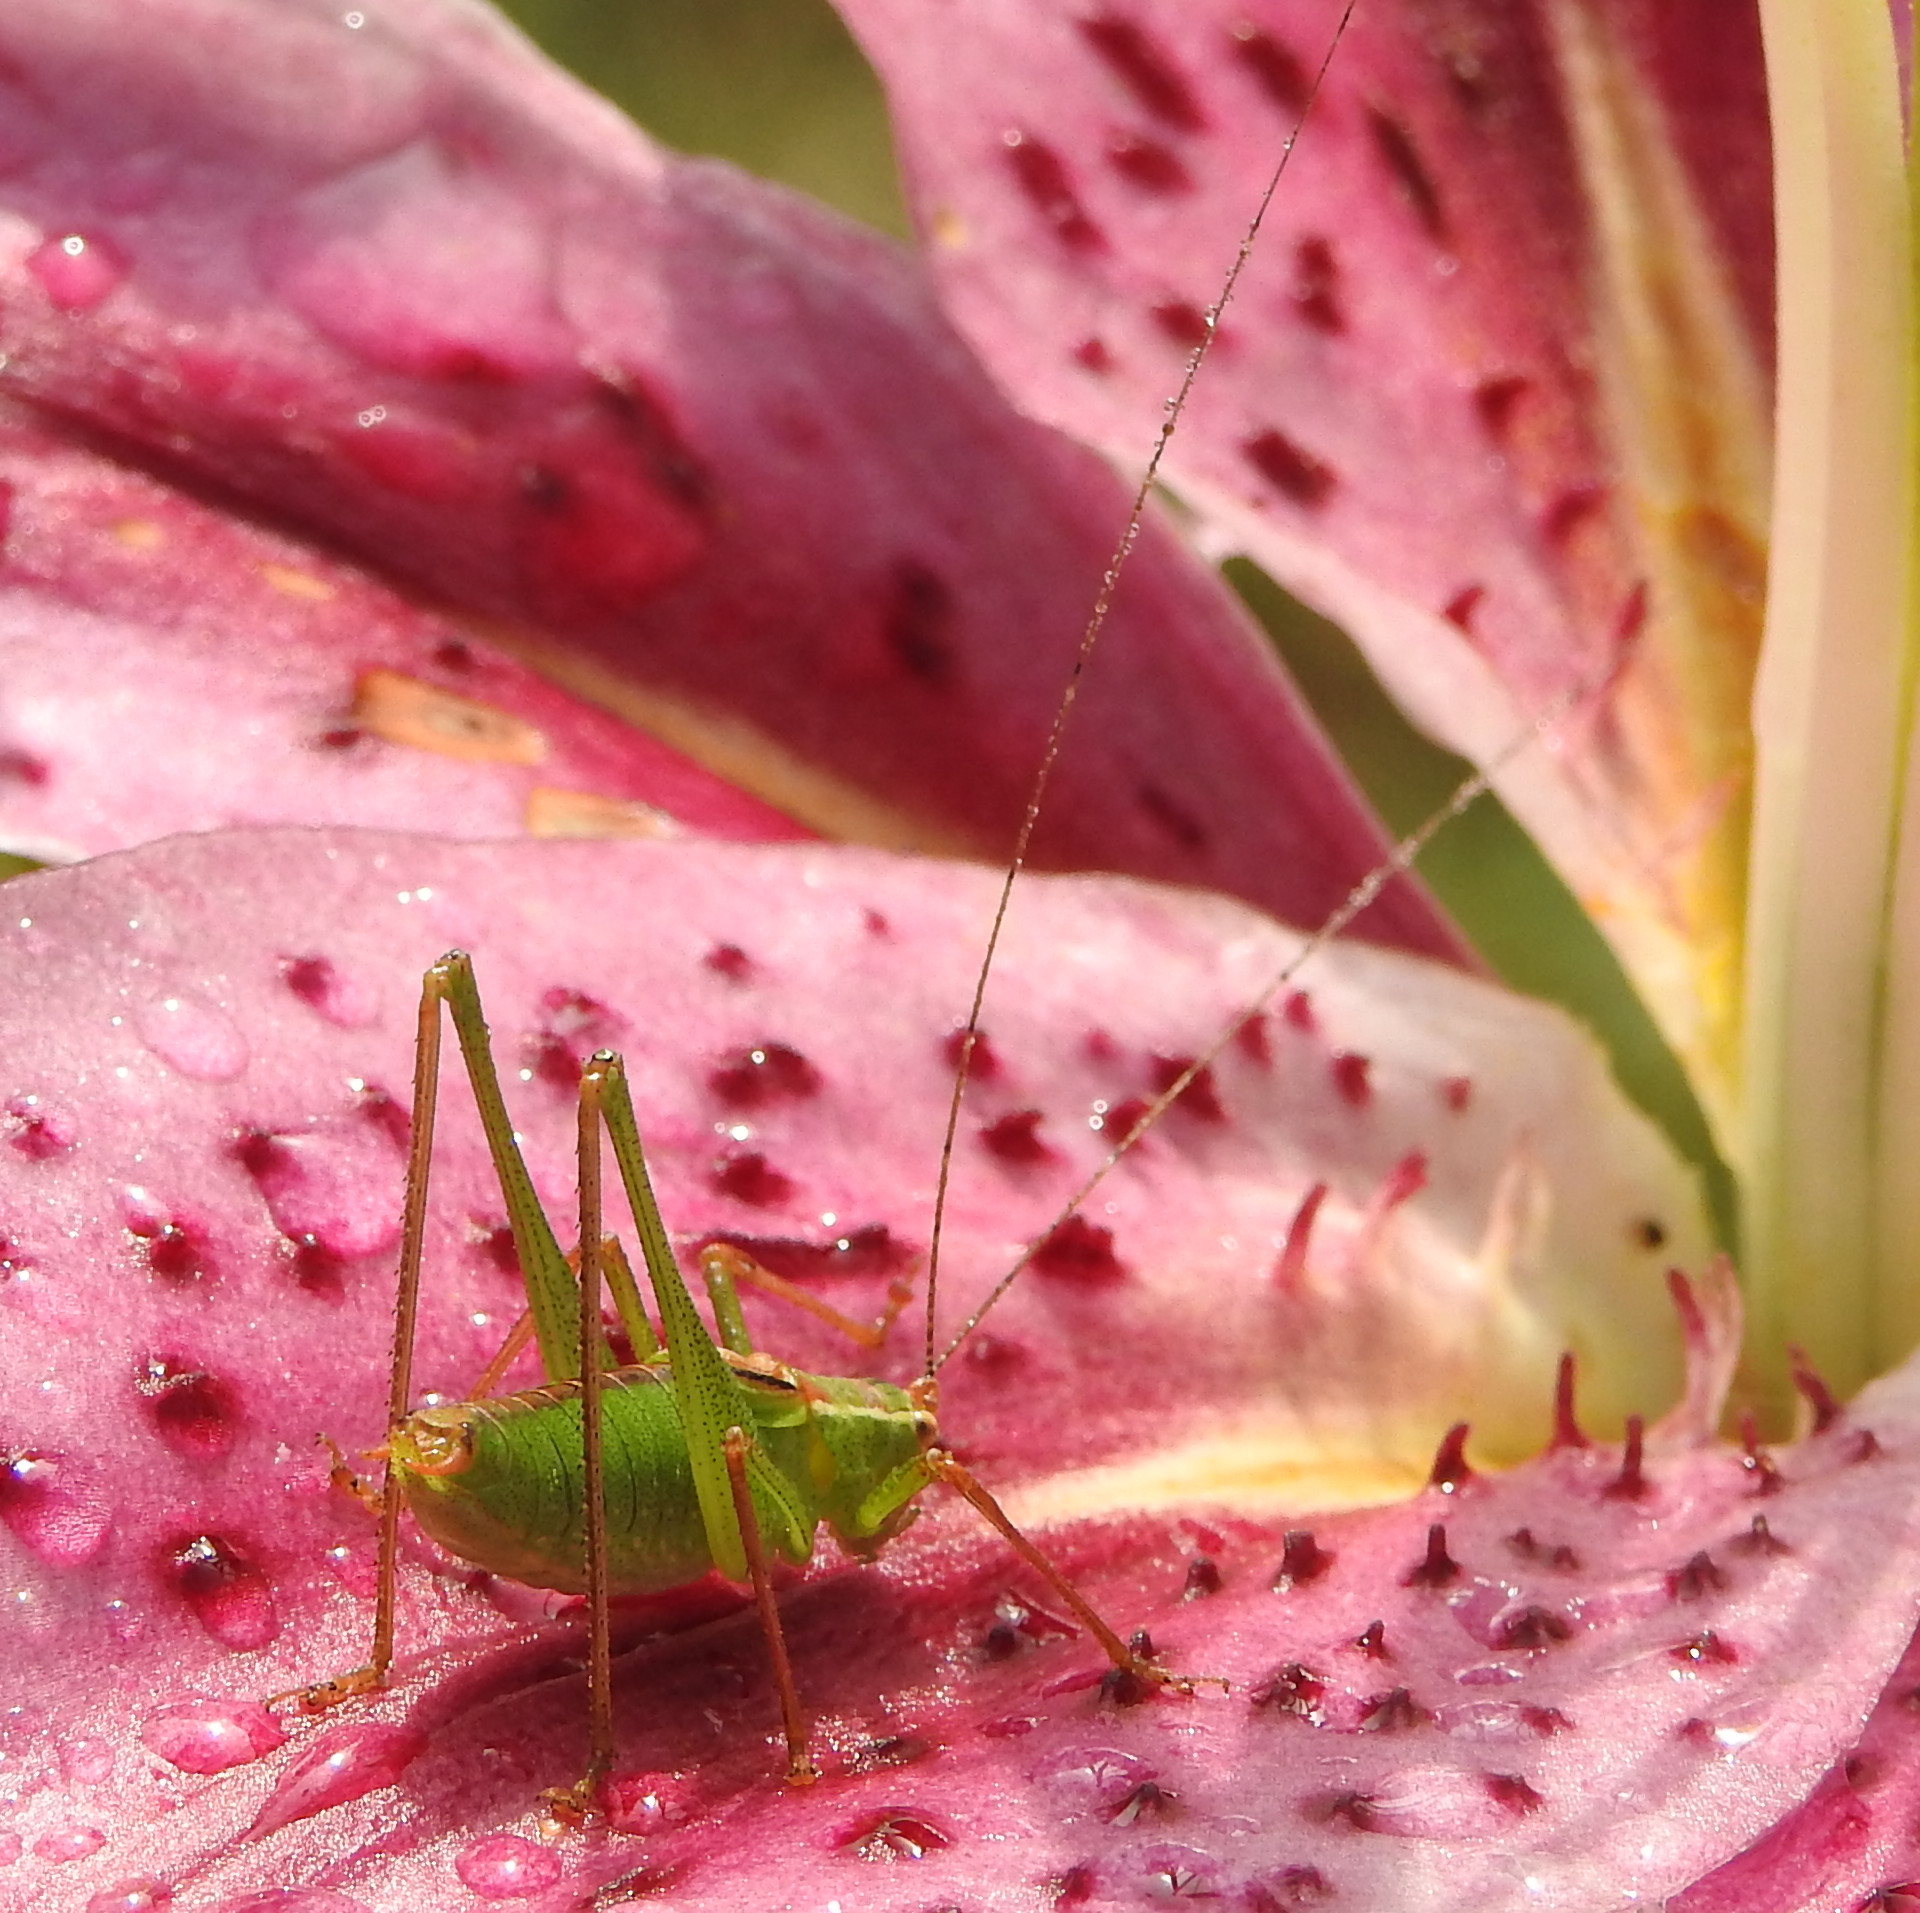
[1492,391]
[207,1054]
[171,667]
[684,441]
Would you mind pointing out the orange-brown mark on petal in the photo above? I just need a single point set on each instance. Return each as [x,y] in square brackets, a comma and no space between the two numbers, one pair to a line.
[291,582]
[140,534]
[405,710]
[553,812]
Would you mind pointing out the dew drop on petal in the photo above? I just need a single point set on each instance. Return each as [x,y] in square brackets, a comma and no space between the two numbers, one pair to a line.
[86,1761]
[61,1844]
[75,271]
[503,1866]
[48,1510]
[209,1736]
[195,1036]
[341,1765]
[132,1896]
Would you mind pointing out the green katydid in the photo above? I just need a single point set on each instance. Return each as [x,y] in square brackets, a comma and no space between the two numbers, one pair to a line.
[698,1455]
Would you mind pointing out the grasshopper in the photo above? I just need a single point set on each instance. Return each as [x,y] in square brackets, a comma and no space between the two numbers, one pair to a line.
[698,1455]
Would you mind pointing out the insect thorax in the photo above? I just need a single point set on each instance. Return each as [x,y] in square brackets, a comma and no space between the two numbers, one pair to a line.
[502,1483]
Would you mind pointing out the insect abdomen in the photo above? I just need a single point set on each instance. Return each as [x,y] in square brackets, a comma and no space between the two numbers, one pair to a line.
[502,1484]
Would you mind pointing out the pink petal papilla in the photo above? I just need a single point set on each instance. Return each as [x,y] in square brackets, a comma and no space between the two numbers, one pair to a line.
[700,449]
[171,667]
[185,1086]
[1492,391]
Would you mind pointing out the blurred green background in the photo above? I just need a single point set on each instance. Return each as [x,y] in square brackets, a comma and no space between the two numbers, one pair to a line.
[778,87]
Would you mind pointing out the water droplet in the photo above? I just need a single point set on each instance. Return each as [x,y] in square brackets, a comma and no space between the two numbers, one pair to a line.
[343,1764]
[69,1843]
[76,271]
[36,1129]
[1092,1779]
[209,1736]
[86,1761]
[226,1593]
[335,1184]
[503,1866]
[48,1508]
[132,1896]
[195,1035]
[896,1836]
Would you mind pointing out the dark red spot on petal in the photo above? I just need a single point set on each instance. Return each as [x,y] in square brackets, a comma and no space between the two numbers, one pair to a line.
[1392,1713]
[1174,818]
[1093,355]
[1814,1391]
[747,1176]
[1293,471]
[1450,1471]
[1292,1887]
[380,1108]
[1372,1641]
[1042,177]
[193,1411]
[1403,1181]
[1436,1568]
[1015,1138]
[1566,1430]
[918,621]
[1568,512]
[1513,1793]
[1529,1628]
[340,738]
[319,1270]
[1352,1080]
[1293,1689]
[1706,1649]
[763,1073]
[35,1129]
[1496,400]
[1302,1561]
[1395,145]
[1199,1099]
[1276,68]
[1648,1232]
[178,1251]
[1252,1041]
[1545,1721]
[1459,609]
[23,767]
[1315,289]
[1079,1251]
[1142,66]
[870,1249]
[983,1060]
[1292,1262]
[1119,1121]
[225,1592]
[1554,1554]
[1631,1482]
[1298,1012]
[730,961]
[1146,163]
[1456,1092]
[1696,1578]
[1360,1811]
[1181,320]
[1763,1477]
[1203,1578]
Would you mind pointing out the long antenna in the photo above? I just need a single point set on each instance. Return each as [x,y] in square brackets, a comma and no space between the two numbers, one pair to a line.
[1089,637]
[1397,861]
